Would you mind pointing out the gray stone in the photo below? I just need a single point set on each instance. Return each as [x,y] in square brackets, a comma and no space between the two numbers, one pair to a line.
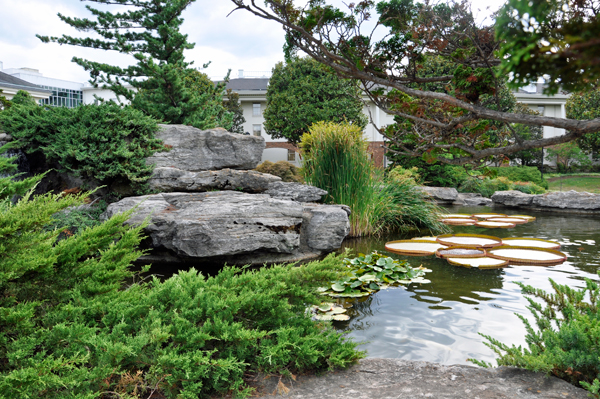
[295,191]
[5,137]
[237,227]
[195,150]
[472,199]
[173,179]
[572,200]
[441,194]
[404,379]
[512,198]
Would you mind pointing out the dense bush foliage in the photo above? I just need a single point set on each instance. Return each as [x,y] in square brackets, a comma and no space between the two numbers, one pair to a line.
[75,321]
[335,159]
[106,143]
[567,340]
[568,157]
[287,171]
[487,186]
[435,174]
[522,174]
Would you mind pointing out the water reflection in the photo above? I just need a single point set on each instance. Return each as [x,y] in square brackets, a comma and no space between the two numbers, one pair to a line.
[440,321]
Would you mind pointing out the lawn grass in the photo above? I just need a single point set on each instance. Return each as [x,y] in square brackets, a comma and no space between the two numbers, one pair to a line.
[577,183]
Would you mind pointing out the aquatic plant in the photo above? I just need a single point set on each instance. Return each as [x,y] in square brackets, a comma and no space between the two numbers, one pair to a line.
[370,273]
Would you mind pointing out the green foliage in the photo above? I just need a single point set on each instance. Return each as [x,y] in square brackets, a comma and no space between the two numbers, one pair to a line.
[532,156]
[528,187]
[75,321]
[433,174]
[485,186]
[4,102]
[287,171]
[71,221]
[568,155]
[106,142]
[567,340]
[335,159]
[234,106]
[582,106]
[302,92]
[159,84]
[370,273]
[11,186]
[522,174]
[551,39]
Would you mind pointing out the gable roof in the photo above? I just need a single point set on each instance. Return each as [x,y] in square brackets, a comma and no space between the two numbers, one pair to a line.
[7,80]
[248,84]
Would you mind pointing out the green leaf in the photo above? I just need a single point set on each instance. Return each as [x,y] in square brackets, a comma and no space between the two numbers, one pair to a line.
[338,287]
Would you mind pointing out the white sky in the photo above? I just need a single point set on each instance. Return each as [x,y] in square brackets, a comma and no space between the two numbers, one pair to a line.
[240,41]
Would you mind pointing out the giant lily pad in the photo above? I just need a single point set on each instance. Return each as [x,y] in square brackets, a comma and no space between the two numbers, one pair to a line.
[459,221]
[495,225]
[509,219]
[488,215]
[527,255]
[482,262]
[530,242]
[413,247]
[469,240]
[460,252]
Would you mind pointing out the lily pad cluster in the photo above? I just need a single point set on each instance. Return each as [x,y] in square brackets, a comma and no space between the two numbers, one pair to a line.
[329,311]
[371,273]
[489,220]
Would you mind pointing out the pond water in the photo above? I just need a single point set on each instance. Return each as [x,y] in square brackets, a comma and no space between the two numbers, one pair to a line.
[440,321]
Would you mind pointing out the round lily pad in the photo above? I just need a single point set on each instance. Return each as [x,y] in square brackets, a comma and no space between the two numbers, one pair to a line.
[460,252]
[469,240]
[341,317]
[483,262]
[530,242]
[495,225]
[413,247]
[488,215]
[508,219]
[429,238]
[527,255]
[529,218]
[459,221]
[454,215]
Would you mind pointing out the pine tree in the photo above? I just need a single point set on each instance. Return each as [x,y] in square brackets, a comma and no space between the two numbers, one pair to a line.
[150,32]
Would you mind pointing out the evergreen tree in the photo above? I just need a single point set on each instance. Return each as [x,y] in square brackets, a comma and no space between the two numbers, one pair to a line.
[149,31]
[233,105]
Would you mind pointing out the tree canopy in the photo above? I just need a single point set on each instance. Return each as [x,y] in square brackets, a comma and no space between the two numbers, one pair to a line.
[302,92]
[585,106]
[156,84]
[387,47]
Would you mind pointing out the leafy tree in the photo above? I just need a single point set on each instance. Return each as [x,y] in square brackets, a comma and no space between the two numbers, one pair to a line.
[4,102]
[582,106]
[302,92]
[531,156]
[149,31]
[233,105]
[456,123]
[567,155]
[556,40]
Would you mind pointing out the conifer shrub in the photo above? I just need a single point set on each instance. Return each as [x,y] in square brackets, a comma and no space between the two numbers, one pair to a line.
[566,342]
[105,143]
[76,321]
[287,171]
[522,174]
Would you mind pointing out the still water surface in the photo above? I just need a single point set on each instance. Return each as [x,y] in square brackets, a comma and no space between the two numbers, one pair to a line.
[440,321]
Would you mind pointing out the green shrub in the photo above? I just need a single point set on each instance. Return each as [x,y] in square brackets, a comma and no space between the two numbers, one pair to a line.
[70,221]
[528,187]
[522,174]
[76,322]
[485,186]
[436,174]
[283,169]
[567,340]
[105,143]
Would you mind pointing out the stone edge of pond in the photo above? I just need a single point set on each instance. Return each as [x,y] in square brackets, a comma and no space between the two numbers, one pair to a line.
[394,378]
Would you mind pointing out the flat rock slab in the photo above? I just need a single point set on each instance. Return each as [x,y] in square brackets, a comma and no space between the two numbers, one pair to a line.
[295,191]
[168,180]
[195,150]
[391,378]
[566,201]
[441,194]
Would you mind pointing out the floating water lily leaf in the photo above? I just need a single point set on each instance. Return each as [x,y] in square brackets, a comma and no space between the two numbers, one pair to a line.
[337,310]
[421,280]
[530,242]
[338,287]
[488,215]
[483,262]
[460,252]
[459,221]
[322,289]
[325,307]
[528,255]
[428,238]
[469,240]
[367,277]
[341,317]
[530,218]
[454,215]
[509,219]
[494,225]
[323,317]
[413,247]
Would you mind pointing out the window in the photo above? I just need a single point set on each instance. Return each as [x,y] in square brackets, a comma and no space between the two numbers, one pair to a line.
[291,156]
[63,97]
[256,109]
[256,130]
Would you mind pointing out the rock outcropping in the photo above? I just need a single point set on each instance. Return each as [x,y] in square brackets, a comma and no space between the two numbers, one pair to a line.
[235,227]
[191,221]
[567,201]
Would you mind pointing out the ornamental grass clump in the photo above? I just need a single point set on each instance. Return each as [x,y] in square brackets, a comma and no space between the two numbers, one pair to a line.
[336,159]
[566,342]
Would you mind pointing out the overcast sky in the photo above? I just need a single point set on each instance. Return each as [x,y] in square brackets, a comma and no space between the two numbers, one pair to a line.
[240,41]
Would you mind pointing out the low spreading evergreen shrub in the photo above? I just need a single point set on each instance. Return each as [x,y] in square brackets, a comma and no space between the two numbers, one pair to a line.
[105,143]
[436,174]
[283,169]
[522,174]
[566,342]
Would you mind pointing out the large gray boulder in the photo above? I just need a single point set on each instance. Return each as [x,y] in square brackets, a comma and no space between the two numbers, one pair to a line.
[472,199]
[177,180]
[442,195]
[195,150]
[295,191]
[572,200]
[235,227]
[512,198]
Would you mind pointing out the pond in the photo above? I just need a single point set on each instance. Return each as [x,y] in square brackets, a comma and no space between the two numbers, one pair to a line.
[439,322]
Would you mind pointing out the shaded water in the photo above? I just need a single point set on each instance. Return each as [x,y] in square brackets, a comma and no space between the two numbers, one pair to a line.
[440,322]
